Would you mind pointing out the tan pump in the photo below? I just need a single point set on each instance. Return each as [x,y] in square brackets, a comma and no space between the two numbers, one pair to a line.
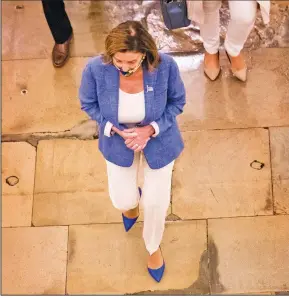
[240,74]
[212,73]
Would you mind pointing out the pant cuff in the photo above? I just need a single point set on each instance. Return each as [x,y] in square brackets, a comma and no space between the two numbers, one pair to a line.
[151,251]
[231,50]
[62,40]
[124,210]
[211,50]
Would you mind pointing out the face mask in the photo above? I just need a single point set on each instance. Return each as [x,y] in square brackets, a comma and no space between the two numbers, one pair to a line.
[131,71]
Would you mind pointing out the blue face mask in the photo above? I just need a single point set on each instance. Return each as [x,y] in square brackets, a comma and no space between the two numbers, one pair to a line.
[130,71]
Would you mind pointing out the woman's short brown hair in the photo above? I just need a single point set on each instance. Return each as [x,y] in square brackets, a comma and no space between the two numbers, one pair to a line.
[131,36]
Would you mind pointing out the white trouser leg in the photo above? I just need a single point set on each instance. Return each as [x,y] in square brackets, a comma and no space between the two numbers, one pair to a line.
[210,30]
[122,185]
[243,15]
[156,200]
[156,193]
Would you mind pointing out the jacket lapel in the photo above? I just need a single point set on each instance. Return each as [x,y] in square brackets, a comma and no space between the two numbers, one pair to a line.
[149,92]
[111,78]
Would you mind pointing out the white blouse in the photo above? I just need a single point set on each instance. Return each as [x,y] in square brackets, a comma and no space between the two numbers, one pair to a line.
[131,110]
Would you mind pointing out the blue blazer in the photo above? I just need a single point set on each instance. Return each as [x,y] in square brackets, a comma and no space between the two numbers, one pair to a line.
[164,99]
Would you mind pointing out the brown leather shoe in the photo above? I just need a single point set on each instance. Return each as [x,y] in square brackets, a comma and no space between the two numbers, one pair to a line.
[60,53]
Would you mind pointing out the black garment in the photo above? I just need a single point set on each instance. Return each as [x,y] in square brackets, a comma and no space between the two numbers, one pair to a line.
[57,20]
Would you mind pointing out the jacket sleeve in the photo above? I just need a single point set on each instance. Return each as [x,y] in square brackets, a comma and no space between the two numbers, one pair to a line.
[88,97]
[176,99]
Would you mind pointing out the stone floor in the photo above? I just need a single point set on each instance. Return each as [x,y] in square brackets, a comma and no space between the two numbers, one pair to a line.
[227,229]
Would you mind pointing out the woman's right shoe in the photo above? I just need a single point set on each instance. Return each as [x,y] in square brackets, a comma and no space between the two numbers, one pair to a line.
[129,222]
[212,73]
[240,74]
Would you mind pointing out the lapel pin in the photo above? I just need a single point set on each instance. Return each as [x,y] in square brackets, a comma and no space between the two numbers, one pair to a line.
[149,88]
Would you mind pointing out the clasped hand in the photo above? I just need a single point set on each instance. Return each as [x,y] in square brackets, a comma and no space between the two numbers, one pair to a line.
[136,138]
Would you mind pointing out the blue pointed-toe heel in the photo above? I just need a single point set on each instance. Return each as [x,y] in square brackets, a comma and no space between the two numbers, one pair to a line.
[129,222]
[157,274]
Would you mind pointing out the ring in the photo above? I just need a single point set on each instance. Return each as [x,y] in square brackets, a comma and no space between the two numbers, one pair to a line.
[136,145]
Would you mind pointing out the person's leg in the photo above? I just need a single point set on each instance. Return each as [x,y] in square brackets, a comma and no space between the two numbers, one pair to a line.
[210,29]
[57,20]
[155,200]
[210,33]
[123,188]
[243,15]
[60,28]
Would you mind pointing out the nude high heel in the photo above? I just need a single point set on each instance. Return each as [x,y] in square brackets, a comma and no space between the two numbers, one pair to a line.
[212,73]
[240,74]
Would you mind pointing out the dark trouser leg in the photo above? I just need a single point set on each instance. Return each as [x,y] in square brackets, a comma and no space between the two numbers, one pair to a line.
[57,20]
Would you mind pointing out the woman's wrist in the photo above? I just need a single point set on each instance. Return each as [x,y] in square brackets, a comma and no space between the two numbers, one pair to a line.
[115,130]
[151,130]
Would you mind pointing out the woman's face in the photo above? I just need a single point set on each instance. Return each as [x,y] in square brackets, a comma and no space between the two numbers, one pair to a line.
[127,61]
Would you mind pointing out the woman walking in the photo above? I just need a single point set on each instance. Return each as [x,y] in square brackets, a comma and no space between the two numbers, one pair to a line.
[135,93]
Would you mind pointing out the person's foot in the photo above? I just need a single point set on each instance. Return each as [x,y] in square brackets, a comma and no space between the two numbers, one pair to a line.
[155,261]
[238,62]
[60,53]
[212,65]
[238,66]
[132,213]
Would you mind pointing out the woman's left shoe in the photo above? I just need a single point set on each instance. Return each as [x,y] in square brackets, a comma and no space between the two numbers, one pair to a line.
[129,222]
[240,74]
[157,274]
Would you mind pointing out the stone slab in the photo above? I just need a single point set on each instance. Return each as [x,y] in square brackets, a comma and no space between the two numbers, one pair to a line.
[103,259]
[18,166]
[279,142]
[36,97]
[250,254]
[69,165]
[213,177]
[34,260]
[17,210]
[18,159]
[71,185]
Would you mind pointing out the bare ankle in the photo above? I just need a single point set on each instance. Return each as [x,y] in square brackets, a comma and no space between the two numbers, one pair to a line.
[155,260]
[132,213]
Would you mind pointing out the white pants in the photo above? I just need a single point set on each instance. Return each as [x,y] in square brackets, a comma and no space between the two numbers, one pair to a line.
[243,15]
[155,200]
